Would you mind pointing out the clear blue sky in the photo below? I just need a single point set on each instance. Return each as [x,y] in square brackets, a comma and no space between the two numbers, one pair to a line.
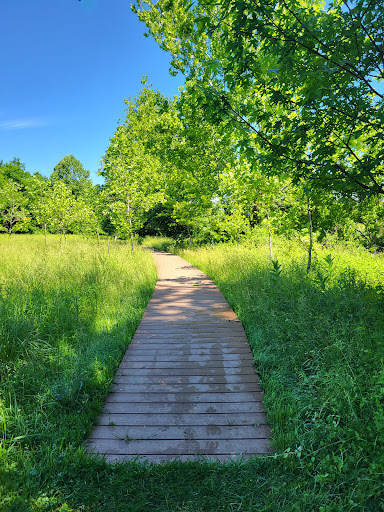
[66,67]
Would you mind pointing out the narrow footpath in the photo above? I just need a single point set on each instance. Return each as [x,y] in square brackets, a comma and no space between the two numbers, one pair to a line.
[186,387]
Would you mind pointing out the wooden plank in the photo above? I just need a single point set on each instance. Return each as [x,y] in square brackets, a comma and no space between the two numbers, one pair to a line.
[204,397]
[188,370]
[179,447]
[196,329]
[186,364]
[182,407]
[178,432]
[181,348]
[145,344]
[148,378]
[205,388]
[203,341]
[172,357]
[183,419]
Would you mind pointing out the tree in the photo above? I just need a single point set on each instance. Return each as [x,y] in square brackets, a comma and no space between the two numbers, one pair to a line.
[132,166]
[62,212]
[295,79]
[71,172]
[12,203]
[14,171]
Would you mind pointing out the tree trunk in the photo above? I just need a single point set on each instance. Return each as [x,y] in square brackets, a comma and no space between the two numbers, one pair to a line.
[270,237]
[310,234]
[130,222]
[45,233]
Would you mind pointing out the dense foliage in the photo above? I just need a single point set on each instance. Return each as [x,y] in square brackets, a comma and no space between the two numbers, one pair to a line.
[296,80]
[64,203]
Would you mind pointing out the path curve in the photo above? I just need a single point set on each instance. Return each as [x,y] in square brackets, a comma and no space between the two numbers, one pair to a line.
[186,387]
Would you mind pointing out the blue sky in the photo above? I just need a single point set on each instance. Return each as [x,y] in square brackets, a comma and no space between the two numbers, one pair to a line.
[66,68]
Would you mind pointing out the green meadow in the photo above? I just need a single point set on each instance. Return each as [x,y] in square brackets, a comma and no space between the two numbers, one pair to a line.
[67,313]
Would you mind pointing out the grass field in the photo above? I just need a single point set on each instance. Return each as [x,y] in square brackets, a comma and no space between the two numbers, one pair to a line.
[67,313]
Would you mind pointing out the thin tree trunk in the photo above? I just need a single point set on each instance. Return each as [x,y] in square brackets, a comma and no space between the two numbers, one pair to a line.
[270,237]
[130,221]
[9,235]
[310,234]
[97,233]
[45,233]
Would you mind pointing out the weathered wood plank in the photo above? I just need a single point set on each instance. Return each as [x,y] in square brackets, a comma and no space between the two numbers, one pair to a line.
[186,418]
[188,337]
[189,348]
[204,397]
[179,447]
[164,387]
[129,378]
[184,363]
[189,370]
[181,407]
[178,432]
[175,357]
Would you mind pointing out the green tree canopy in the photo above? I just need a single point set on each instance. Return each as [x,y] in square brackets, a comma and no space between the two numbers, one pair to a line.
[296,79]
[71,172]
[131,165]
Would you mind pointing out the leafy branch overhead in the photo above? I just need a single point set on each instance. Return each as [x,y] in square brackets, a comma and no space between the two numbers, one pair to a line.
[298,81]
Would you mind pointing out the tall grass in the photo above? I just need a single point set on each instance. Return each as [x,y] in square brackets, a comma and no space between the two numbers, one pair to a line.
[318,342]
[67,314]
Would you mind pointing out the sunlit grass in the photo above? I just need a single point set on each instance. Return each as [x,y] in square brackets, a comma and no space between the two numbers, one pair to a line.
[67,314]
[318,344]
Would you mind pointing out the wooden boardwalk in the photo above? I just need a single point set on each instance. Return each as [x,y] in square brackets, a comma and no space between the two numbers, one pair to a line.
[186,387]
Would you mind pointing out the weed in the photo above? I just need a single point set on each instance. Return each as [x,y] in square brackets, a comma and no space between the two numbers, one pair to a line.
[276,271]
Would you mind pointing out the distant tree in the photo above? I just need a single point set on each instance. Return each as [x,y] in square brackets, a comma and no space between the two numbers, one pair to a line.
[12,204]
[63,213]
[132,166]
[14,171]
[71,172]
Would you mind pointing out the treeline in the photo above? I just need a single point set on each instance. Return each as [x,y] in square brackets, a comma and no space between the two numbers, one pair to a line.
[170,170]
[280,123]
[66,202]
[281,116]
